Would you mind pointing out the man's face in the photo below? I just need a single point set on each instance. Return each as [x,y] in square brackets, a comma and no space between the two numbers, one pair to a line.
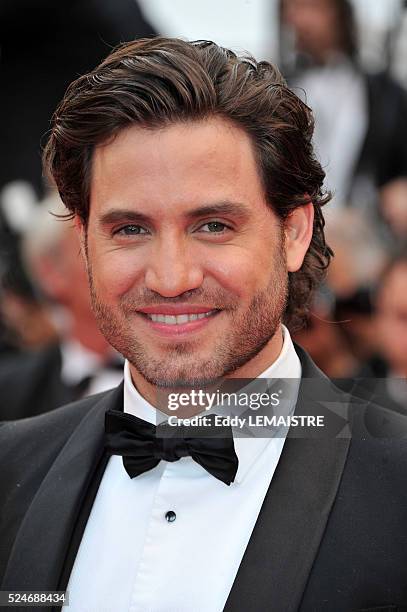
[186,261]
[315,24]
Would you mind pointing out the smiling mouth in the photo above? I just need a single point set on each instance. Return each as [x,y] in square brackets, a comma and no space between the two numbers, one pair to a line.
[180,319]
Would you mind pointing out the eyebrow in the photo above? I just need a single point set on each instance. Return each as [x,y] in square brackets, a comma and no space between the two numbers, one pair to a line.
[235,209]
[122,214]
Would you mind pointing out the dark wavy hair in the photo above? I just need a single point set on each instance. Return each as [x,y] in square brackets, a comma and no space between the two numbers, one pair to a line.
[159,81]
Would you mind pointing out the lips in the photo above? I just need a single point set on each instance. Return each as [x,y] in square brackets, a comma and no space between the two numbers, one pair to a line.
[176,309]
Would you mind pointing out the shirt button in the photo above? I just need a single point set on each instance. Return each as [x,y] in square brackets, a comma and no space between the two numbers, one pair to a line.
[170,516]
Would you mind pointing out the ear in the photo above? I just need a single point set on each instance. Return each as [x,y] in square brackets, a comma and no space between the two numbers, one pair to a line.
[298,228]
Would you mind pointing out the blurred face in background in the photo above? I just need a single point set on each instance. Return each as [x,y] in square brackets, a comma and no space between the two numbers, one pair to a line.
[315,25]
[392,319]
[393,206]
[61,273]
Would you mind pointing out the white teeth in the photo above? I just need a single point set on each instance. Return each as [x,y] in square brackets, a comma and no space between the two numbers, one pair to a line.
[178,319]
[182,319]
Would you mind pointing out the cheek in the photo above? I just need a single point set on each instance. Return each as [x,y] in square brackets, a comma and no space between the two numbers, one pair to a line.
[242,271]
[115,273]
[239,271]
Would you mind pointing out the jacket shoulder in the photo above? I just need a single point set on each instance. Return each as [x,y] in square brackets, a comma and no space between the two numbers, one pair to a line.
[38,438]
[29,448]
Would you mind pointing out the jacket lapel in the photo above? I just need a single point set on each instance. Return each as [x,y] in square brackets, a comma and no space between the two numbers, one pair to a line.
[285,540]
[40,547]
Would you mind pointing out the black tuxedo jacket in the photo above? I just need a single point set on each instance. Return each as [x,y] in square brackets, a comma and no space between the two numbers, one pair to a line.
[384,151]
[331,535]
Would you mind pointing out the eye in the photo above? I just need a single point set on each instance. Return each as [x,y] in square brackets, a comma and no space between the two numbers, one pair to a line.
[214,227]
[130,230]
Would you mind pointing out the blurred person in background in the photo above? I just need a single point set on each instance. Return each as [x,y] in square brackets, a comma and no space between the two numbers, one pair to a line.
[361,119]
[25,323]
[24,319]
[340,333]
[388,367]
[360,258]
[80,362]
[393,206]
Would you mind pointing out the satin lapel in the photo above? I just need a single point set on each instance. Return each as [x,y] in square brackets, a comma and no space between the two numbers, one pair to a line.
[285,540]
[40,547]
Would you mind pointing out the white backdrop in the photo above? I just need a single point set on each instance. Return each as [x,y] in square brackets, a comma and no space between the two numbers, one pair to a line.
[238,24]
[252,24]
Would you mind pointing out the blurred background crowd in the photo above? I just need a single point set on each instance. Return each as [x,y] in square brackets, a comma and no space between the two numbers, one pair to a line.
[346,58]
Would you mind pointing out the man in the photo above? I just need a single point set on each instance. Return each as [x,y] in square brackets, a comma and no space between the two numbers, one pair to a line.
[385,372]
[81,362]
[391,306]
[361,126]
[190,175]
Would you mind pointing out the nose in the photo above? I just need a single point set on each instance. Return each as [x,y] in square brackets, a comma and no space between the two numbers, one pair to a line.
[171,269]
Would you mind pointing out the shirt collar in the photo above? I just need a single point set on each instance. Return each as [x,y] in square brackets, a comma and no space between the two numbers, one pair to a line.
[287,365]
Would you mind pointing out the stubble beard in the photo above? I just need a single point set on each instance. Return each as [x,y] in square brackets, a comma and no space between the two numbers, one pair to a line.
[248,333]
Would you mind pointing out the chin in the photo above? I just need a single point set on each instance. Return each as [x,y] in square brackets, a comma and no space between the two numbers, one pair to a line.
[179,379]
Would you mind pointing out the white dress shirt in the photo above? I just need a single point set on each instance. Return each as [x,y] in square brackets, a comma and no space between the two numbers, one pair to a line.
[337,95]
[133,559]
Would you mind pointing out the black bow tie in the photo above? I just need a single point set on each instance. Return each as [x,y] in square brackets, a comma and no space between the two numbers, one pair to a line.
[142,449]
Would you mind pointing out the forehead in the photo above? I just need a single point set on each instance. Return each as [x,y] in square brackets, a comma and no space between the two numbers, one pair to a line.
[182,164]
